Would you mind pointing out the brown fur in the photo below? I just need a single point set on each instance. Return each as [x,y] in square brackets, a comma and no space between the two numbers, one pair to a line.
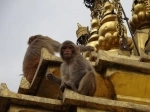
[85,48]
[76,72]
[33,53]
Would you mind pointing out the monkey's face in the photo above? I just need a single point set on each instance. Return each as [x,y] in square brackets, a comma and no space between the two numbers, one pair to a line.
[67,51]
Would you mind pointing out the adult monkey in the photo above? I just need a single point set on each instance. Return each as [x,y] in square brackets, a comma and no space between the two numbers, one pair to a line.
[76,72]
[33,53]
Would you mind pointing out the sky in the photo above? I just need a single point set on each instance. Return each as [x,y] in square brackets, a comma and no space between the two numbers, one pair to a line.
[21,19]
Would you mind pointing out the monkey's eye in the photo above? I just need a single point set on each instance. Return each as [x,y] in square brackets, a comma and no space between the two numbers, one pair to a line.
[64,47]
[70,47]
[67,47]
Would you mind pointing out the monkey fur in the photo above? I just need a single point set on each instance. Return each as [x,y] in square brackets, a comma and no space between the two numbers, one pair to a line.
[76,72]
[33,53]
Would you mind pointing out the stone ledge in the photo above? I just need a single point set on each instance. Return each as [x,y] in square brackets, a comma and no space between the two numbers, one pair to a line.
[73,98]
[106,58]
[20,99]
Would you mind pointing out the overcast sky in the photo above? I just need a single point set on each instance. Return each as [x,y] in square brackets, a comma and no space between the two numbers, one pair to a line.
[21,19]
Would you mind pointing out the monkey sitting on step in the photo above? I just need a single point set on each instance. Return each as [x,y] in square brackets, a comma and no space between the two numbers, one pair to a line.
[76,72]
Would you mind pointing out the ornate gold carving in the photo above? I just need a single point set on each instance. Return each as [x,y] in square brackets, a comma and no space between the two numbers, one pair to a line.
[108,8]
[110,31]
[140,15]
[106,32]
[97,9]
[147,3]
[120,27]
[81,31]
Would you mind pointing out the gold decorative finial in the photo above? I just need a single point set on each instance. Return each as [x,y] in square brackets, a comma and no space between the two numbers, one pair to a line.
[81,30]
[78,25]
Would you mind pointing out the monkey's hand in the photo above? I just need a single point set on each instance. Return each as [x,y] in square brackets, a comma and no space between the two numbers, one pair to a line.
[62,87]
[86,48]
[90,48]
[50,76]
[66,84]
[70,85]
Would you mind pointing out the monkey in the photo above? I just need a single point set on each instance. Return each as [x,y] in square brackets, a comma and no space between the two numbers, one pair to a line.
[85,48]
[33,53]
[76,72]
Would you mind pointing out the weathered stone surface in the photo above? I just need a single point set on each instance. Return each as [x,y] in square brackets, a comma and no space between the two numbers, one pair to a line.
[28,100]
[104,87]
[70,97]
[106,58]
[129,83]
[15,108]
[84,109]
[145,101]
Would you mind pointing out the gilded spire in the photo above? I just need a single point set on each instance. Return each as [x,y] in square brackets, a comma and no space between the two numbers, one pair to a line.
[81,30]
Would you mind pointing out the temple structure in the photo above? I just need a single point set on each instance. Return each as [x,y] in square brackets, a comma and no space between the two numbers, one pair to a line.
[122,64]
